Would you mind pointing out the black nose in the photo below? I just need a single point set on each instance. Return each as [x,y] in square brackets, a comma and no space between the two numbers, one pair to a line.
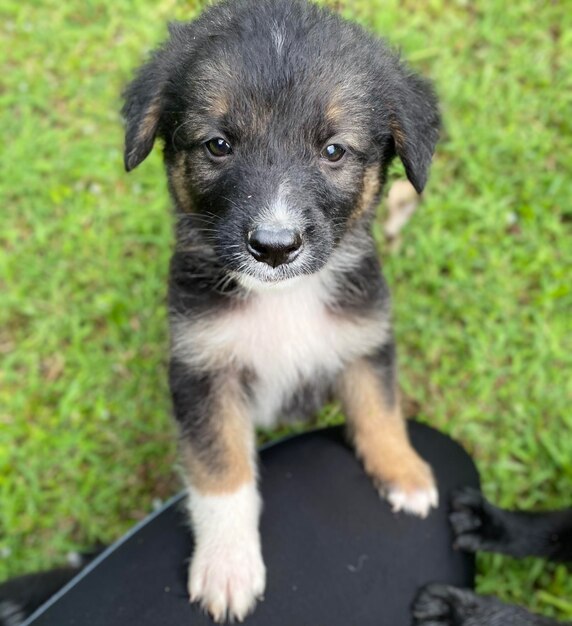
[274,247]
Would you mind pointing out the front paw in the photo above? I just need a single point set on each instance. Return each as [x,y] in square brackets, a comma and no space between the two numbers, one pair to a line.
[227,580]
[414,491]
[477,525]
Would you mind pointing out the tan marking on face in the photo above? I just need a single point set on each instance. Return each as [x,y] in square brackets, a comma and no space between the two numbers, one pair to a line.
[261,117]
[379,433]
[235,438]
[218,105]
[178,176]
[336,109]
[334,112]
[346,120]
[215,80]
[370,189]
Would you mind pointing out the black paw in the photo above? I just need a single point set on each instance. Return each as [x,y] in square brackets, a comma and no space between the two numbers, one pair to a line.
[443,605]
[477,524]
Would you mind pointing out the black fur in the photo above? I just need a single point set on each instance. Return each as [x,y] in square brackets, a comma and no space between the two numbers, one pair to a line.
[321,47]
[363,287]
[218,76]
[20,597]
[193,393]
[276,82]
[443,605]
[384,360]
[478,525]
[274,115]
[23,595]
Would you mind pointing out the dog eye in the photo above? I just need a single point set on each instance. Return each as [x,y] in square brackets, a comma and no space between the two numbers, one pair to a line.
[218,147]
[333,153]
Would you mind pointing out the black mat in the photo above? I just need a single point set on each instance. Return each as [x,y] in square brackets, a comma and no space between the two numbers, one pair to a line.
[335,553]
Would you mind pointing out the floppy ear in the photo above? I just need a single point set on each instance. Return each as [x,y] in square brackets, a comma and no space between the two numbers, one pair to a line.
[142,110]
[415,124]
[145,96]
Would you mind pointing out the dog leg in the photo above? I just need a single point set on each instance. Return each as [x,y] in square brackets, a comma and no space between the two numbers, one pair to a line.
[227,573]
[480,526]
[369,398]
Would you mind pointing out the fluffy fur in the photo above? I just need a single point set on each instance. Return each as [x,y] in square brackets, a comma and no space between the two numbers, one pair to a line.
[279,120]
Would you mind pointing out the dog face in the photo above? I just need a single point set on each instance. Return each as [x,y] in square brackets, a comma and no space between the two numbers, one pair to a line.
[279,121]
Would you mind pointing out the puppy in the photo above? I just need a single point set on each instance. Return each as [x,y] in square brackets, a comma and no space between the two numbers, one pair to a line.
[279,120]
[478,525]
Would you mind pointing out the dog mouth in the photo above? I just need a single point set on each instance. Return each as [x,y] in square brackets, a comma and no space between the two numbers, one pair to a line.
[260,275]
[256,272]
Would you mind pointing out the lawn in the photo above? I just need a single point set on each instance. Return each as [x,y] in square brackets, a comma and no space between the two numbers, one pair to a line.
[481,280]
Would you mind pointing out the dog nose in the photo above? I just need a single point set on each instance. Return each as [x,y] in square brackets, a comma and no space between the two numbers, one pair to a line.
[274,247]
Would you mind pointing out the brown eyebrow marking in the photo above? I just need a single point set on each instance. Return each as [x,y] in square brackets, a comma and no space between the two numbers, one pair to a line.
[344,128]
[334,112]
[215,82]
[219,105]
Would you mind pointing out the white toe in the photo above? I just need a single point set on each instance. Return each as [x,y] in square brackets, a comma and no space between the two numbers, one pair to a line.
[227,582]
[418,502]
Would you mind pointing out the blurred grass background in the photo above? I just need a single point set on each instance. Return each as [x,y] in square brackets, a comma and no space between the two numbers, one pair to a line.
[481,282]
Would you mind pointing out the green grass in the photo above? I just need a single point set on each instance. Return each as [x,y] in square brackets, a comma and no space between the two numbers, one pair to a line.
[481,281]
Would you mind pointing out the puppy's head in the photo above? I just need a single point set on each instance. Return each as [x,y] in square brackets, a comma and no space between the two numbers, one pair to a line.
[279,120]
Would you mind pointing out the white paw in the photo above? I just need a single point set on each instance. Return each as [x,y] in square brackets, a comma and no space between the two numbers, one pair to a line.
[417,502]
[227,581]
[227,574]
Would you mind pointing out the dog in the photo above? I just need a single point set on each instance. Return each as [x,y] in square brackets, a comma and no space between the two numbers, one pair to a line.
[279,120]
[478,525]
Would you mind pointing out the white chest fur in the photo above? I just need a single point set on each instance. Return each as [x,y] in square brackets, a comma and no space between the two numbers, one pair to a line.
[284,336]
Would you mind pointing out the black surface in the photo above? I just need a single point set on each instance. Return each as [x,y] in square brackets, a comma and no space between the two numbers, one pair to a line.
[336,555]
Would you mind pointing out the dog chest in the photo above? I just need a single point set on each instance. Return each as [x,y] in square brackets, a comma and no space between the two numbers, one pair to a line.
[285,337]
[288,334]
